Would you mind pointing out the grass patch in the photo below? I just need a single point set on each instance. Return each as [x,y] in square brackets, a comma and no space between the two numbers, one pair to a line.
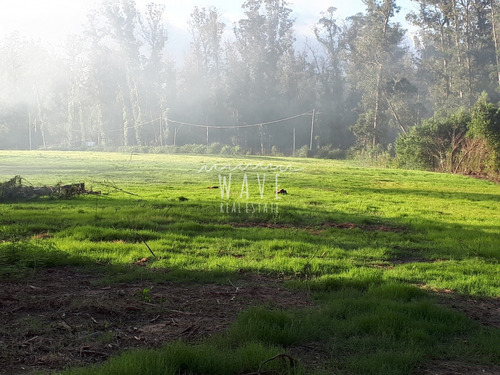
[386,329]
[181,358]
[358,239]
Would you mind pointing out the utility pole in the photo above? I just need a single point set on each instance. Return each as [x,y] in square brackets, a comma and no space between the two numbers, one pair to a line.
[261,141]
[161,129]
[294,142]
[29,128]
[312,129]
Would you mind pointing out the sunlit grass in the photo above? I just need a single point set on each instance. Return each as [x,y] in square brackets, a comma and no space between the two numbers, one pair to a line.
[440,221]
[366,243]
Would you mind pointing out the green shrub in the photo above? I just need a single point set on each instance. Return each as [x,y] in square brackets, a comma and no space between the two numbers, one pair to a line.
[18,257]
[304,152]
[230,150]
[329,152]
[466,142]
[482,152]
[214,148]
[372,156]
[435,145]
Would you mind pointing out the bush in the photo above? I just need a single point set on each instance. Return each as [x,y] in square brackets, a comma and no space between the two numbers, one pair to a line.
[275,151]
[230,150]
[481,153]
[304,152]
[466,142]
[214,148]
[435,145]
[328,152]
[192,149]
[373,156]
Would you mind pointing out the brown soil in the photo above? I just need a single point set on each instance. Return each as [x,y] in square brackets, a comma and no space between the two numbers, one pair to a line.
[457,368]
[61,318]
[483,310]
[482,177]
[316,228]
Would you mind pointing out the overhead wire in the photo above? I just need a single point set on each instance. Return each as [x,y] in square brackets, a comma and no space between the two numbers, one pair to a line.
[183,123]
[212,126]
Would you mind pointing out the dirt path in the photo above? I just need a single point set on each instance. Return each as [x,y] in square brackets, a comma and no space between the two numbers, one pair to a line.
[62,318]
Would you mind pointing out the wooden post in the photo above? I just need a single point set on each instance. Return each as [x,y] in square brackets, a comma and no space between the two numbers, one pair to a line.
[29,128]
[161,129]
[261,141]
[312,129]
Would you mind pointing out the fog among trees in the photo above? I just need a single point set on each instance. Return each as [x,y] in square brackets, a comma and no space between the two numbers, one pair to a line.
[357,84]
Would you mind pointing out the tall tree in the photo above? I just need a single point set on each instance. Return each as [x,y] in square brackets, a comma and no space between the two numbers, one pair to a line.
[32,89]
[203,78]
[156,76]
[457,50]
[121,19]
[375,55]
[495,25]
[332,90]
[263,38]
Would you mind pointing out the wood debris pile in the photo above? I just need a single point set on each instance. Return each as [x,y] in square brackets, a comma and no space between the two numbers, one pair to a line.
[14,190]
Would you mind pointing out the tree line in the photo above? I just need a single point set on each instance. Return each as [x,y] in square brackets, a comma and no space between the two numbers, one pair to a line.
[115,85]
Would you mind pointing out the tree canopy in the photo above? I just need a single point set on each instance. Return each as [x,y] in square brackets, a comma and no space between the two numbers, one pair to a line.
[117,84]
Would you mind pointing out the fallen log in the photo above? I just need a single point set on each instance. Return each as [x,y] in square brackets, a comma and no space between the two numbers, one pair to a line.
[14,190]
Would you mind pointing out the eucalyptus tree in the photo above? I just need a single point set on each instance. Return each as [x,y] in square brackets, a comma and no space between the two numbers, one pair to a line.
[332,89]
[129,72]
[32,90]
[84,117]
[495,25]
[157,82]
[375,57]
[112,30]
[458,50]
[203,90]
[264,38]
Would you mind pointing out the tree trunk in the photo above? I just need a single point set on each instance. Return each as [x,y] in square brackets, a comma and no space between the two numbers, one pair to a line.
[377,106]
[466,4]
[445,62]
[378,93]
[456,22]
[494,24]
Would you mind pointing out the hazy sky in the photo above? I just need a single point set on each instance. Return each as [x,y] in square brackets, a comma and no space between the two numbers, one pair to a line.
[52,20]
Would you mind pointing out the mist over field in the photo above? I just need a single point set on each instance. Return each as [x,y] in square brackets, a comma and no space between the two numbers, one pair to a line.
[165,207]
[170,264]
[254,85]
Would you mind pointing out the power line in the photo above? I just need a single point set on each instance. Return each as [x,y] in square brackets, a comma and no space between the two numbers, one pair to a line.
[133,126]
[238,126]
[212,126]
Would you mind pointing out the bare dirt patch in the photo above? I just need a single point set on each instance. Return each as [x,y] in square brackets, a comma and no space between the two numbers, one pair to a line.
[60,317]
[485,311]
[481,309]
[316,228]
[457,368]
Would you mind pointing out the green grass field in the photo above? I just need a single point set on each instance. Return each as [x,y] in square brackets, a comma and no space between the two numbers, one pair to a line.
[374,247]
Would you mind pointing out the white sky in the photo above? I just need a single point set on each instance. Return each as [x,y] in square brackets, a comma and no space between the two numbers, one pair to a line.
[52,20]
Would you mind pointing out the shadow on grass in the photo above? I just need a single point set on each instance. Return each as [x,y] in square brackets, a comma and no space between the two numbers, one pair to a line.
[364,323]
[455,195]
[134,221]
[366,326]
